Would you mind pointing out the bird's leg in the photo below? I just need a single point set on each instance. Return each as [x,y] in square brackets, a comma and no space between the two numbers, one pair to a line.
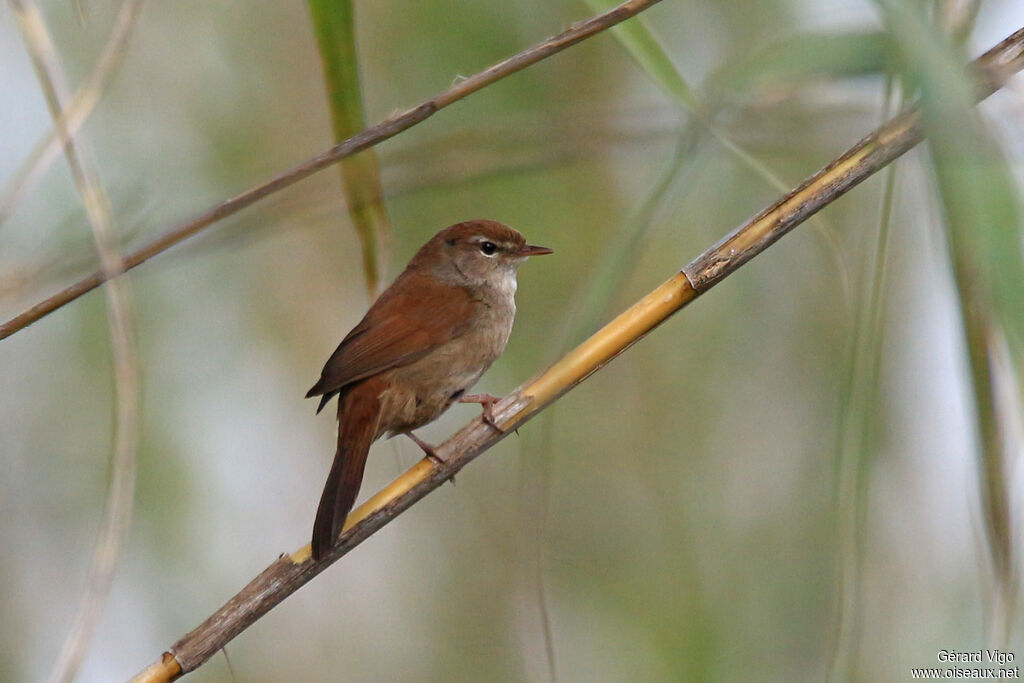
[430,452]
[427,448]
[486,402]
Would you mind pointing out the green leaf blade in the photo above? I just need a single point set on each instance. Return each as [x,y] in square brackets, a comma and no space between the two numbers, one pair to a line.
[334,26]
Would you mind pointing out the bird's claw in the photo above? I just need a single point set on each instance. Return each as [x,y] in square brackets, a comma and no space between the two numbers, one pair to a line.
[486,402]
[431,453]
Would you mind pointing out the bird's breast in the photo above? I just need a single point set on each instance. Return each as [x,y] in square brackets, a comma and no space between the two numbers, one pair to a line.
[421,391]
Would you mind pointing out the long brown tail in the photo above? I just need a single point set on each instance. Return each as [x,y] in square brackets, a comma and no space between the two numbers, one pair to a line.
[358,416]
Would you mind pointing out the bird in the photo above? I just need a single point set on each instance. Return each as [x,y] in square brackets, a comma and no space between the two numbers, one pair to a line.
[421,346]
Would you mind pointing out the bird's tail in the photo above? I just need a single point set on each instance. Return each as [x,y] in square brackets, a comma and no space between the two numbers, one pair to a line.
[358,417]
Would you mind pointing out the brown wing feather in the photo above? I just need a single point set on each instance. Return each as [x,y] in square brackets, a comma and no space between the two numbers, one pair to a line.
[403,325]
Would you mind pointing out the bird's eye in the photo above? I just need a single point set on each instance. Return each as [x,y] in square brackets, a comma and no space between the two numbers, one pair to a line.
[488,248]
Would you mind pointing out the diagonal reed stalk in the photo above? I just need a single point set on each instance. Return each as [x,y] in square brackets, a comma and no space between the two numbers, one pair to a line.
[645,50]
[290,572]
[357,143]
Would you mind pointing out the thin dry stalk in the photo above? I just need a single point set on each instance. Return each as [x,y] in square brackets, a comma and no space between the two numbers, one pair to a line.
[73,116]
[118,507]
[855,434]
[989,360]
[364,140]
[528,144]
[291,572]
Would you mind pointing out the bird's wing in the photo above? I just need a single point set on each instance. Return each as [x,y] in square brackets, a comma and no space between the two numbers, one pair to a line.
[403,325]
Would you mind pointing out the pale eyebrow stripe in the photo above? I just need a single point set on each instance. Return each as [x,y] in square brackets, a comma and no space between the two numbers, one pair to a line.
[506,246]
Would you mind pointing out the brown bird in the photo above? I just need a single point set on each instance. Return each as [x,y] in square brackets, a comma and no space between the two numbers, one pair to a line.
[425,341]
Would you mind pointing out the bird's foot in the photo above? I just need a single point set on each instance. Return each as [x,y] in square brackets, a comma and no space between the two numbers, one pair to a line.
[430,452]
[486,402]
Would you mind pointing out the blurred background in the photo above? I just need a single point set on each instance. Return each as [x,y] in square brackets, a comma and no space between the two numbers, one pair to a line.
[765,488]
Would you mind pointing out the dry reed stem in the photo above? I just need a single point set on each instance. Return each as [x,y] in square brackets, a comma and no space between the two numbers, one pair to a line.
[121,492]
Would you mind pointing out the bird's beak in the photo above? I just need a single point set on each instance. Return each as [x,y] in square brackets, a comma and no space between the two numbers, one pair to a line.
[532,250]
